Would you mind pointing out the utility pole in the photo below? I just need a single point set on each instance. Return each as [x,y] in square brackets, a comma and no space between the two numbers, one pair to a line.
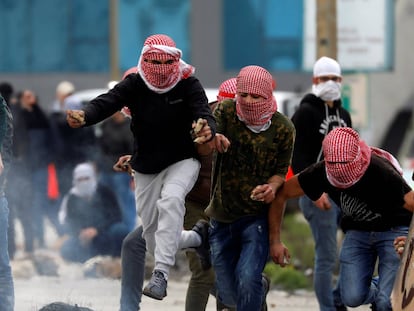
[326,29]
[113,39]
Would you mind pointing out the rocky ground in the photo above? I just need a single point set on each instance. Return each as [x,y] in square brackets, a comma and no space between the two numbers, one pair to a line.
[44,278]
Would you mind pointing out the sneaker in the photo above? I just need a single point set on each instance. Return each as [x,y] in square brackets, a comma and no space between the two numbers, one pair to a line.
[341,308]
[157,286]
[221,306]
[203,251]
[266,287]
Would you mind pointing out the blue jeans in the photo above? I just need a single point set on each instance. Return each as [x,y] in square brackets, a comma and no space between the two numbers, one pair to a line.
[359,254]
[6,278]
[42,206]
[324,226]
[107,242]
[133,269]
[239,252]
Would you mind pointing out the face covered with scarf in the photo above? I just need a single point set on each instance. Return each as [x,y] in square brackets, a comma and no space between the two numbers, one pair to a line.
[160,64]
[346,157]
[255,103]
[84,180]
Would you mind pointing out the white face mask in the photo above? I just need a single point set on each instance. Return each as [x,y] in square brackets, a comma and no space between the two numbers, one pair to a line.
[328,91]
[85,188]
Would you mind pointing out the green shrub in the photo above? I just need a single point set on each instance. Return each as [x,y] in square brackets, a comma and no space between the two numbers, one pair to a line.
[297,237]
[287,278]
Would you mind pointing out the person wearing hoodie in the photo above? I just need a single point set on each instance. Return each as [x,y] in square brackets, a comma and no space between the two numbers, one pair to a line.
[319,112]
[91,216]
[167,104]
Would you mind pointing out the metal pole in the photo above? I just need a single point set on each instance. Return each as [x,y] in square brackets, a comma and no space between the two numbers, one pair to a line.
[326,29]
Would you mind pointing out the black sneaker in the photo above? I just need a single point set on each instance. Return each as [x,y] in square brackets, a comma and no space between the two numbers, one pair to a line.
[203,251]
[341,308]
[222,307]
[266,287]
[219,305]
[157,286]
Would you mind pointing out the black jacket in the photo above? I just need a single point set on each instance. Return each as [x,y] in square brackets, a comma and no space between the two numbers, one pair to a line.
[115,140]
[100,212]
[161,123]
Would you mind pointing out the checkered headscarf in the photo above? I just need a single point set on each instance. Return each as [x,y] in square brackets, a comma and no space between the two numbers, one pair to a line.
[385,154]
[227,90]
[255,80]
[346,157]
[161,78]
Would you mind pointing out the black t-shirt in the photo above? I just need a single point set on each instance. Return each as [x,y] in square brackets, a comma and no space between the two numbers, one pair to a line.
[374,203]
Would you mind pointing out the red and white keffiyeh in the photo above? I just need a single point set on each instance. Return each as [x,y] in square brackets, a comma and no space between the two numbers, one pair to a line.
[161,78]
[227,90]
[385,154]
[255,80]
[346,157]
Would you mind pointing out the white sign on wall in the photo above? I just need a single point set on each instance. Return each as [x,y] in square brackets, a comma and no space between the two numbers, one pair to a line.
[354,98]
[364,38]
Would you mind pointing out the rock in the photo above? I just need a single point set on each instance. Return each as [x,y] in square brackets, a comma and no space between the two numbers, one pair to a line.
[61,306]
[23,268]
[47,262]
[103,266]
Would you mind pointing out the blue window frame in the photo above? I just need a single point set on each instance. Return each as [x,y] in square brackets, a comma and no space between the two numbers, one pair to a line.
[263,32]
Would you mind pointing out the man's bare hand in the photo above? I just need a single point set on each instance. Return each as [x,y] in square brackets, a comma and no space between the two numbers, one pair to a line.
[201,131]
[75,118]
[279,253]
[263,193]
[123,165]
[86,235]
[323,202]
[399,244]
[221,143]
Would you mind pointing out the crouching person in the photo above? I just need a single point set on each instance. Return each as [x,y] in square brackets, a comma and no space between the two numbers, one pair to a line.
[376,205]
[92,218]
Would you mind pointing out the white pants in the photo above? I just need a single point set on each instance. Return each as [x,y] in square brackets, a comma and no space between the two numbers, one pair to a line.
[160,201]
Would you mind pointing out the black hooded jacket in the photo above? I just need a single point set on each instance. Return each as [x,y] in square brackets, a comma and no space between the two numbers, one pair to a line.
[313,120]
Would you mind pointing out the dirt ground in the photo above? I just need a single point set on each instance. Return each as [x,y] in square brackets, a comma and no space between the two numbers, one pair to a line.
[32,291]
[103,295]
